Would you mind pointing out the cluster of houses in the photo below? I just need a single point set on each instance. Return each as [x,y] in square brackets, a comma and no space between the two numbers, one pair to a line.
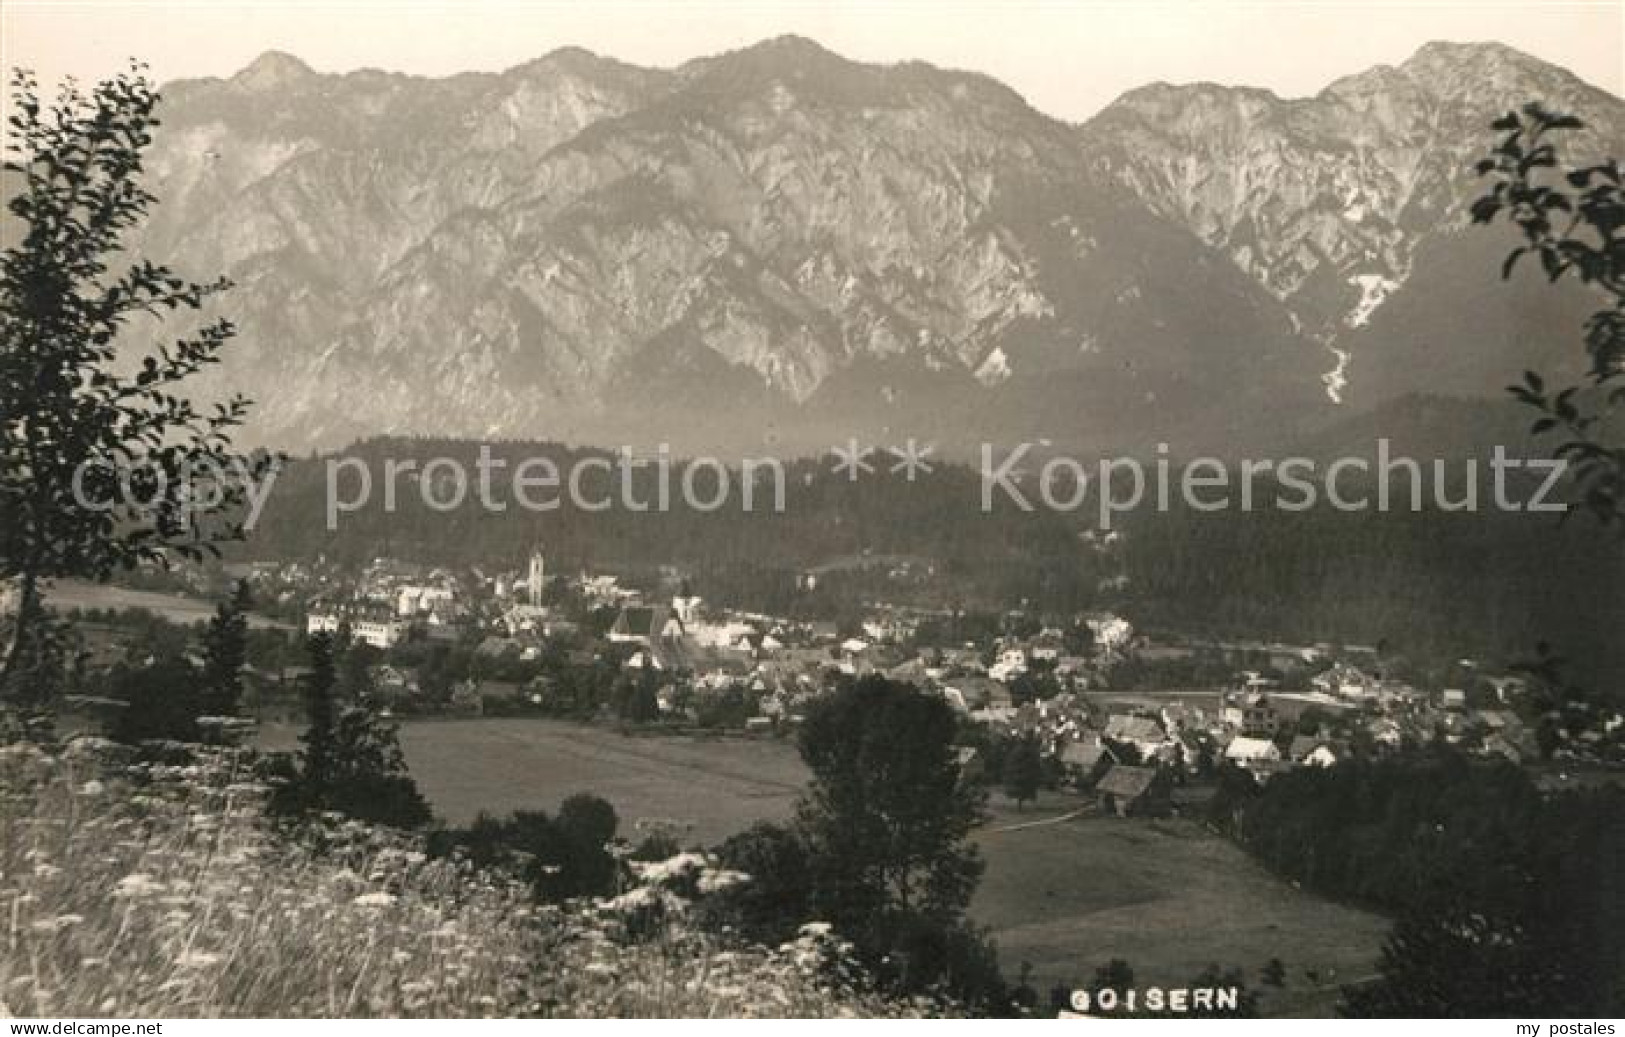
[387,601]
[392,600]
[1130,749]
[1301,706]
[1052,684]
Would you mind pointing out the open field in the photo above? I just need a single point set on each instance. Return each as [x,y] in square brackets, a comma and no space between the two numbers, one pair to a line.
[1166,896]
[177,608]
[716,786]
[1066,896]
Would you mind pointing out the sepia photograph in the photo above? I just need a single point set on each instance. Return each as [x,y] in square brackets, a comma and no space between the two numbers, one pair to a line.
[812,509]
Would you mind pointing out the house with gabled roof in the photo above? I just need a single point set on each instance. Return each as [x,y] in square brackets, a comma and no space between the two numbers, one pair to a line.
[974,693]
[1322,756]
[1133,792]
[1048,646]
[1252,752]
[1081,756]
[1301,747]
[645,625]
[1345,681]
[1144,733]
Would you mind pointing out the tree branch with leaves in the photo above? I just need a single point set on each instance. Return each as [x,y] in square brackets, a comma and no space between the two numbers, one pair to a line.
[99,470]
[1572,222]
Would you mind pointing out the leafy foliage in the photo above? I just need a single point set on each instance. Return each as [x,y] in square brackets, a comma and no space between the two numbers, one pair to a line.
[75,434]
[886,821]
[162,701]
[561,857]
[780,893]
[1517,889]
[1573,224]
[1023,769]
[886,812]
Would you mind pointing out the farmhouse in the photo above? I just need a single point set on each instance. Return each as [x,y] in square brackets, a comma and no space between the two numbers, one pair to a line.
[974,693]
[1080,758]
[1323,756]
[645,625]
[1309,751]
[1144,733]
[1301,747]
[1345,681]
[1252,753]
[1133,792]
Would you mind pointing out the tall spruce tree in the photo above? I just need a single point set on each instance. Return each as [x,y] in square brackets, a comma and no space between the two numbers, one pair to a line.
[351,762]
[321,711]
[225,653]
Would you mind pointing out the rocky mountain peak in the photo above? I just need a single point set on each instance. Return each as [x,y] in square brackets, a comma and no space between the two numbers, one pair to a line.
[789,238]
[1325,200]
[1471,74]
[273,70]
[787,51]
[578,63]
[1454,68]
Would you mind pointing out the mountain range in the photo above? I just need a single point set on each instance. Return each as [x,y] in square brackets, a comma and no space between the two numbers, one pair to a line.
[778,247]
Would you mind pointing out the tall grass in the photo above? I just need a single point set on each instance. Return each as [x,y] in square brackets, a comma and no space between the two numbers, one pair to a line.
[162,891]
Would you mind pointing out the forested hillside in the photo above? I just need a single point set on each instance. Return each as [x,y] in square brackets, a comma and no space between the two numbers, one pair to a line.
[1434,585]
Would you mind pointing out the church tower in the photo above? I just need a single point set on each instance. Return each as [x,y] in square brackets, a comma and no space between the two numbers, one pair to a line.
[536,579]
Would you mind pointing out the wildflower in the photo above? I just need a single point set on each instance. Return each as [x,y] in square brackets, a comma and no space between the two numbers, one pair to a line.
[718,880]
[92,788]
[137,884]
[678,867]
[57,924]
[378,899]
[197,960]
[20,752]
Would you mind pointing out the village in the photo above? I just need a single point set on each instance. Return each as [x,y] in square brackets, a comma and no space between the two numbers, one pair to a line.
[1137,722]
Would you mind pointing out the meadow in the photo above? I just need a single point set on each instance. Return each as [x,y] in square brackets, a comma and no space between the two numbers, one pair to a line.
[177,608]
[706,787]
[1169,898]
[1065,897]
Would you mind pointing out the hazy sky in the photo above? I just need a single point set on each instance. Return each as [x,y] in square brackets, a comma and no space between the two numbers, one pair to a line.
[1068,59]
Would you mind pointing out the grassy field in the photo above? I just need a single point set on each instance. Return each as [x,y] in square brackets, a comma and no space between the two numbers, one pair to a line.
[713,786]
[1065,896]
[1166,896]
[177,608]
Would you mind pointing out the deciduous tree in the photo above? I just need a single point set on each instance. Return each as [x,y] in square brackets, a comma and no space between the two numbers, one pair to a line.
[99,470]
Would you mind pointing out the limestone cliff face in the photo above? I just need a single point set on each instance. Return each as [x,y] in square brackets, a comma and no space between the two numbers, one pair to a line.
[1326,201]
[577,247]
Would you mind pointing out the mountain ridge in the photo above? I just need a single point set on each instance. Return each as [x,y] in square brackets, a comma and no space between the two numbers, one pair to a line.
[576,246]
